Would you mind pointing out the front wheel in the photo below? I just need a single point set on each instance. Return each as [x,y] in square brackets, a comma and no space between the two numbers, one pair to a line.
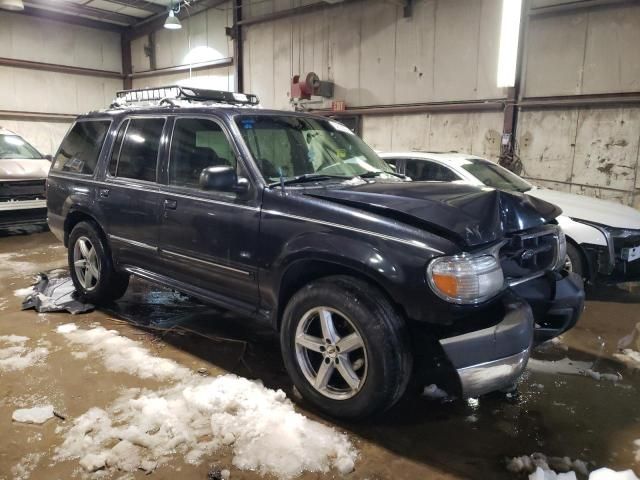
[574,262]
[345,347]
[91,267]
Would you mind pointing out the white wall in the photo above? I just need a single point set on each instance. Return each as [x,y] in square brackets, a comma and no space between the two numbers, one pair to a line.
[45,92]
[595,151]
[201,39]
[446,51]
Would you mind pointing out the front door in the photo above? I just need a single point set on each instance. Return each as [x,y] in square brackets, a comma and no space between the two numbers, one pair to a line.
[208,238]
[130,197]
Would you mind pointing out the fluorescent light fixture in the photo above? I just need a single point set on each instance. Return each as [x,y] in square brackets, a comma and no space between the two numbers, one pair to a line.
[172,22]
[14,5]
[509,36]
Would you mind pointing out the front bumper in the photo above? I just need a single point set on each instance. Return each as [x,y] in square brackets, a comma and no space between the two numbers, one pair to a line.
[494,358]
[23,212]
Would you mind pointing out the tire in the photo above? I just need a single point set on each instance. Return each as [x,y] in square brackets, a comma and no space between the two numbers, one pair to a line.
[575,263]
[379,354]
[104,285]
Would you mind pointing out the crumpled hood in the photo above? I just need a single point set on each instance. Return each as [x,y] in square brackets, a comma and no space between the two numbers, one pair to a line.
[466,214]
[23,169]
[591,209]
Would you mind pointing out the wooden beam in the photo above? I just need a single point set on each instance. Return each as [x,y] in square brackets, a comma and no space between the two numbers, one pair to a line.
[52,67]
[83,10]
[51,117]
[69,19]
[148,6]
[222,62]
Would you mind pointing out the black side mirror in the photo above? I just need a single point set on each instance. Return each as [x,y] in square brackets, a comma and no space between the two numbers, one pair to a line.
[48,157]
[224,179]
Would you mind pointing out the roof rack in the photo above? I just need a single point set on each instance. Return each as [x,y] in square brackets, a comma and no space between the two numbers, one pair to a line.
[175,92]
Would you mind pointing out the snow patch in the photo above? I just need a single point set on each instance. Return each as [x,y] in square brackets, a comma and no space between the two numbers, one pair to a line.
[636,444]
[17,356]
[23,292]
[121,354]
[565,366]
[37,415]
[433,392]
[629,357]
[26,466]
[194,418]
[541,467]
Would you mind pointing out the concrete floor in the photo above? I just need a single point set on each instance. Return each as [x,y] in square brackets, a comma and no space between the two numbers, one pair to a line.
[558,414]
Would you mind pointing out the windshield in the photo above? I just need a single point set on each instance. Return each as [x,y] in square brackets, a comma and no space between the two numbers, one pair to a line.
[288,146]
[12,146]
[495,176]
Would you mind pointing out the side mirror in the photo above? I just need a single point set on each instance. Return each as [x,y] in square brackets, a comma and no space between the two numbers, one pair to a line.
[223,179]
[48,157]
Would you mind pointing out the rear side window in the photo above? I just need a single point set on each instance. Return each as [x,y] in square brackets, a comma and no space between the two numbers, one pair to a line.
[138,158]
[81,147]
[424,170]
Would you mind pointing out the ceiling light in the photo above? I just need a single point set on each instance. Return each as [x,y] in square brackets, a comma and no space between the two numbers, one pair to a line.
[509,36]
[172,22]
[15,5]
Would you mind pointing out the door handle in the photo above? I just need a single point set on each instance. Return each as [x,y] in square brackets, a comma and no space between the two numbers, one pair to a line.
[103,192]
[170,204]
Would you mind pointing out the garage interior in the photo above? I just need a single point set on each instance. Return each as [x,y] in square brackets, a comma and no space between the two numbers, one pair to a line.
[404,75]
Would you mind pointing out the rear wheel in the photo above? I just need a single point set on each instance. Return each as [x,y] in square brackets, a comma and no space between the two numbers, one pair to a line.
[91,266]
[345,347]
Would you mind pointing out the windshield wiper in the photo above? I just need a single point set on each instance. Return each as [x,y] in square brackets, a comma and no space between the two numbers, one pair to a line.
[307,177]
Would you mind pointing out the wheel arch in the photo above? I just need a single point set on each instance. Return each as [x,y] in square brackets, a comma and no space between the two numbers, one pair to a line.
[76,216]
[303,271]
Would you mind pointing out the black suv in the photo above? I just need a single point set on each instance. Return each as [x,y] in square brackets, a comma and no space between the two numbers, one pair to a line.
[290,217]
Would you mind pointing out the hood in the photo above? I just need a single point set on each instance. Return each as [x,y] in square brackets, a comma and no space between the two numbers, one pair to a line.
[25,169]
[591,209]
[466,214]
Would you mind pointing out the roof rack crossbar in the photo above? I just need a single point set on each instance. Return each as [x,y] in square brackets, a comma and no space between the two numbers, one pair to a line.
[176,92]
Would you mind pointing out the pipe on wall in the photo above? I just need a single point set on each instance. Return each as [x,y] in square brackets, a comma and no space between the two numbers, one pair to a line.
[465,106]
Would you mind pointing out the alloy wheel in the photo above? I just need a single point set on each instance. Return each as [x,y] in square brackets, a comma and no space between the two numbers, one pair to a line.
[86,263]
[331,353]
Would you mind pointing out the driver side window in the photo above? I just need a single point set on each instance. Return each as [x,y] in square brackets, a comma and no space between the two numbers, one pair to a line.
[197,144]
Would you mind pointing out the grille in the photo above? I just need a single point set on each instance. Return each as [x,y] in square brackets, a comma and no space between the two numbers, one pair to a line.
[22,190]
[529,253]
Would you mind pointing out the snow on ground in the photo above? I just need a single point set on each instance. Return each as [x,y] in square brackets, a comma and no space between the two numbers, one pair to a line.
[194,418]
[433,392]
[23,292]
[37,415]
[629,357]
[3,304]
[541,467]
[567,366]
[16,355]
[27,464]
[636,444]
[121,354]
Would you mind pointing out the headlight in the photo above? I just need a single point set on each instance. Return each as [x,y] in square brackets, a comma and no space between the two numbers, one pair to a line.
[562,250]
[465,279]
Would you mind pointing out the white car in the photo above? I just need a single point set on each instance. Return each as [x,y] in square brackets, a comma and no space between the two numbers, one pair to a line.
[23,176]
[603,237]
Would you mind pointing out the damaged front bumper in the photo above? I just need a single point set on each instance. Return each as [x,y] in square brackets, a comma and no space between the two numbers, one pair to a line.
[494,358]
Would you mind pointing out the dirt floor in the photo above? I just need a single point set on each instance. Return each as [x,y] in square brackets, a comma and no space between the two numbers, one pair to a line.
[560,414]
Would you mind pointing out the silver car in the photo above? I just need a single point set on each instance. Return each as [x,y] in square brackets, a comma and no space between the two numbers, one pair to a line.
[23,175]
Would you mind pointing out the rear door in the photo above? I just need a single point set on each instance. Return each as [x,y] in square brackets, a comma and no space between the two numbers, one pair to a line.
[208,238]
[130,197]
